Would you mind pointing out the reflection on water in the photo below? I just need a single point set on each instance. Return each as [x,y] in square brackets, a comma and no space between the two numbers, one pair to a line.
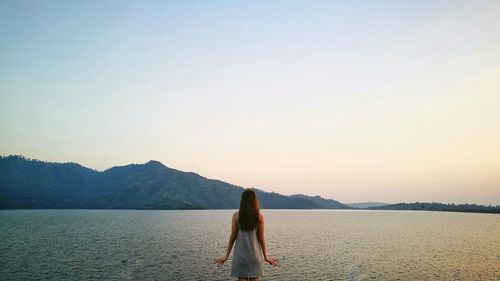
[311,245]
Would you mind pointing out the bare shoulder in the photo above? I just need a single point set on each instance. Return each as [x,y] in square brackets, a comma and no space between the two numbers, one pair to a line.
[261,217]
[235,214]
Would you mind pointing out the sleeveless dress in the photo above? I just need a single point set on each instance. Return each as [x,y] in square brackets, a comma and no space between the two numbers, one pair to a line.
[247,255]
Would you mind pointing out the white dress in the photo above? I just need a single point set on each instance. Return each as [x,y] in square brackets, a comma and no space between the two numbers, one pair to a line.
[247,255]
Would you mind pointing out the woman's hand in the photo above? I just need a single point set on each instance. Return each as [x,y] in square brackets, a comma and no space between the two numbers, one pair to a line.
[220,261]
[271,261]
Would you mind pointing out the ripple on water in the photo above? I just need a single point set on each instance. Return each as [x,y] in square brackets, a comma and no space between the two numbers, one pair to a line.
[311,245]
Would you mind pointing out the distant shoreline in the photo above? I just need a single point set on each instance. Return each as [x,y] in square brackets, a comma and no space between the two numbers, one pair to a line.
[268,209]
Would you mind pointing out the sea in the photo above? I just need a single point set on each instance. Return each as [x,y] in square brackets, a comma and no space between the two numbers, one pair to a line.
[309,244]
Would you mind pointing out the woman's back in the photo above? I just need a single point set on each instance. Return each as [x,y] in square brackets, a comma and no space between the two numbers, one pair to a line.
[247,256]
[248,233]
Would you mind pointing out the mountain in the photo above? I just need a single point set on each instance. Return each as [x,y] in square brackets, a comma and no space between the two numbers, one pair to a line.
[363,205]
[434,206]
[36,184]
[33,184]
[325,203]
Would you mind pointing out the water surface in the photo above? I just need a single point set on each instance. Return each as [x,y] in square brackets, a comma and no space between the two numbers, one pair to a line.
[311,245]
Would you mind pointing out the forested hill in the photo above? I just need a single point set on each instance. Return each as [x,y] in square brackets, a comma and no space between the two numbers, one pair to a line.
[328,203]
[32,184]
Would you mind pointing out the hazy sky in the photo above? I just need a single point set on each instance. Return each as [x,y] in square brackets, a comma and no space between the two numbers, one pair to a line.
[392,101]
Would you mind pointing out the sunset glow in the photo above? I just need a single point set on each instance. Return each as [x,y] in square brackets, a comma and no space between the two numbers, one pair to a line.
[367,101]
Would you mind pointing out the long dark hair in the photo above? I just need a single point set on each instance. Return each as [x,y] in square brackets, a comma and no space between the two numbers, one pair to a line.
[248,217]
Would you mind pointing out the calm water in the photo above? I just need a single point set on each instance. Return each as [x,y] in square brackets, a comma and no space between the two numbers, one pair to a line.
[311,245]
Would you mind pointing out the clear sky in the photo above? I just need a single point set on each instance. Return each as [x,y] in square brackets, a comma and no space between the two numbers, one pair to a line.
[392,101]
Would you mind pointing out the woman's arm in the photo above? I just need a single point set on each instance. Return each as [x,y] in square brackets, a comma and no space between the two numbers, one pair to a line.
[232,238]
[262,241]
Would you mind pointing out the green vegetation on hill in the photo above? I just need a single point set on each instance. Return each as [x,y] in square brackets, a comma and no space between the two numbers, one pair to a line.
[326,203]
[32,184]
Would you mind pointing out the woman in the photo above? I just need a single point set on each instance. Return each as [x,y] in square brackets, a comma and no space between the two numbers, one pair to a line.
[248,232]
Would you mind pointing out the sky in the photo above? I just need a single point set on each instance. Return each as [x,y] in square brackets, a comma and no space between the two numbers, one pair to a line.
[389,101]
